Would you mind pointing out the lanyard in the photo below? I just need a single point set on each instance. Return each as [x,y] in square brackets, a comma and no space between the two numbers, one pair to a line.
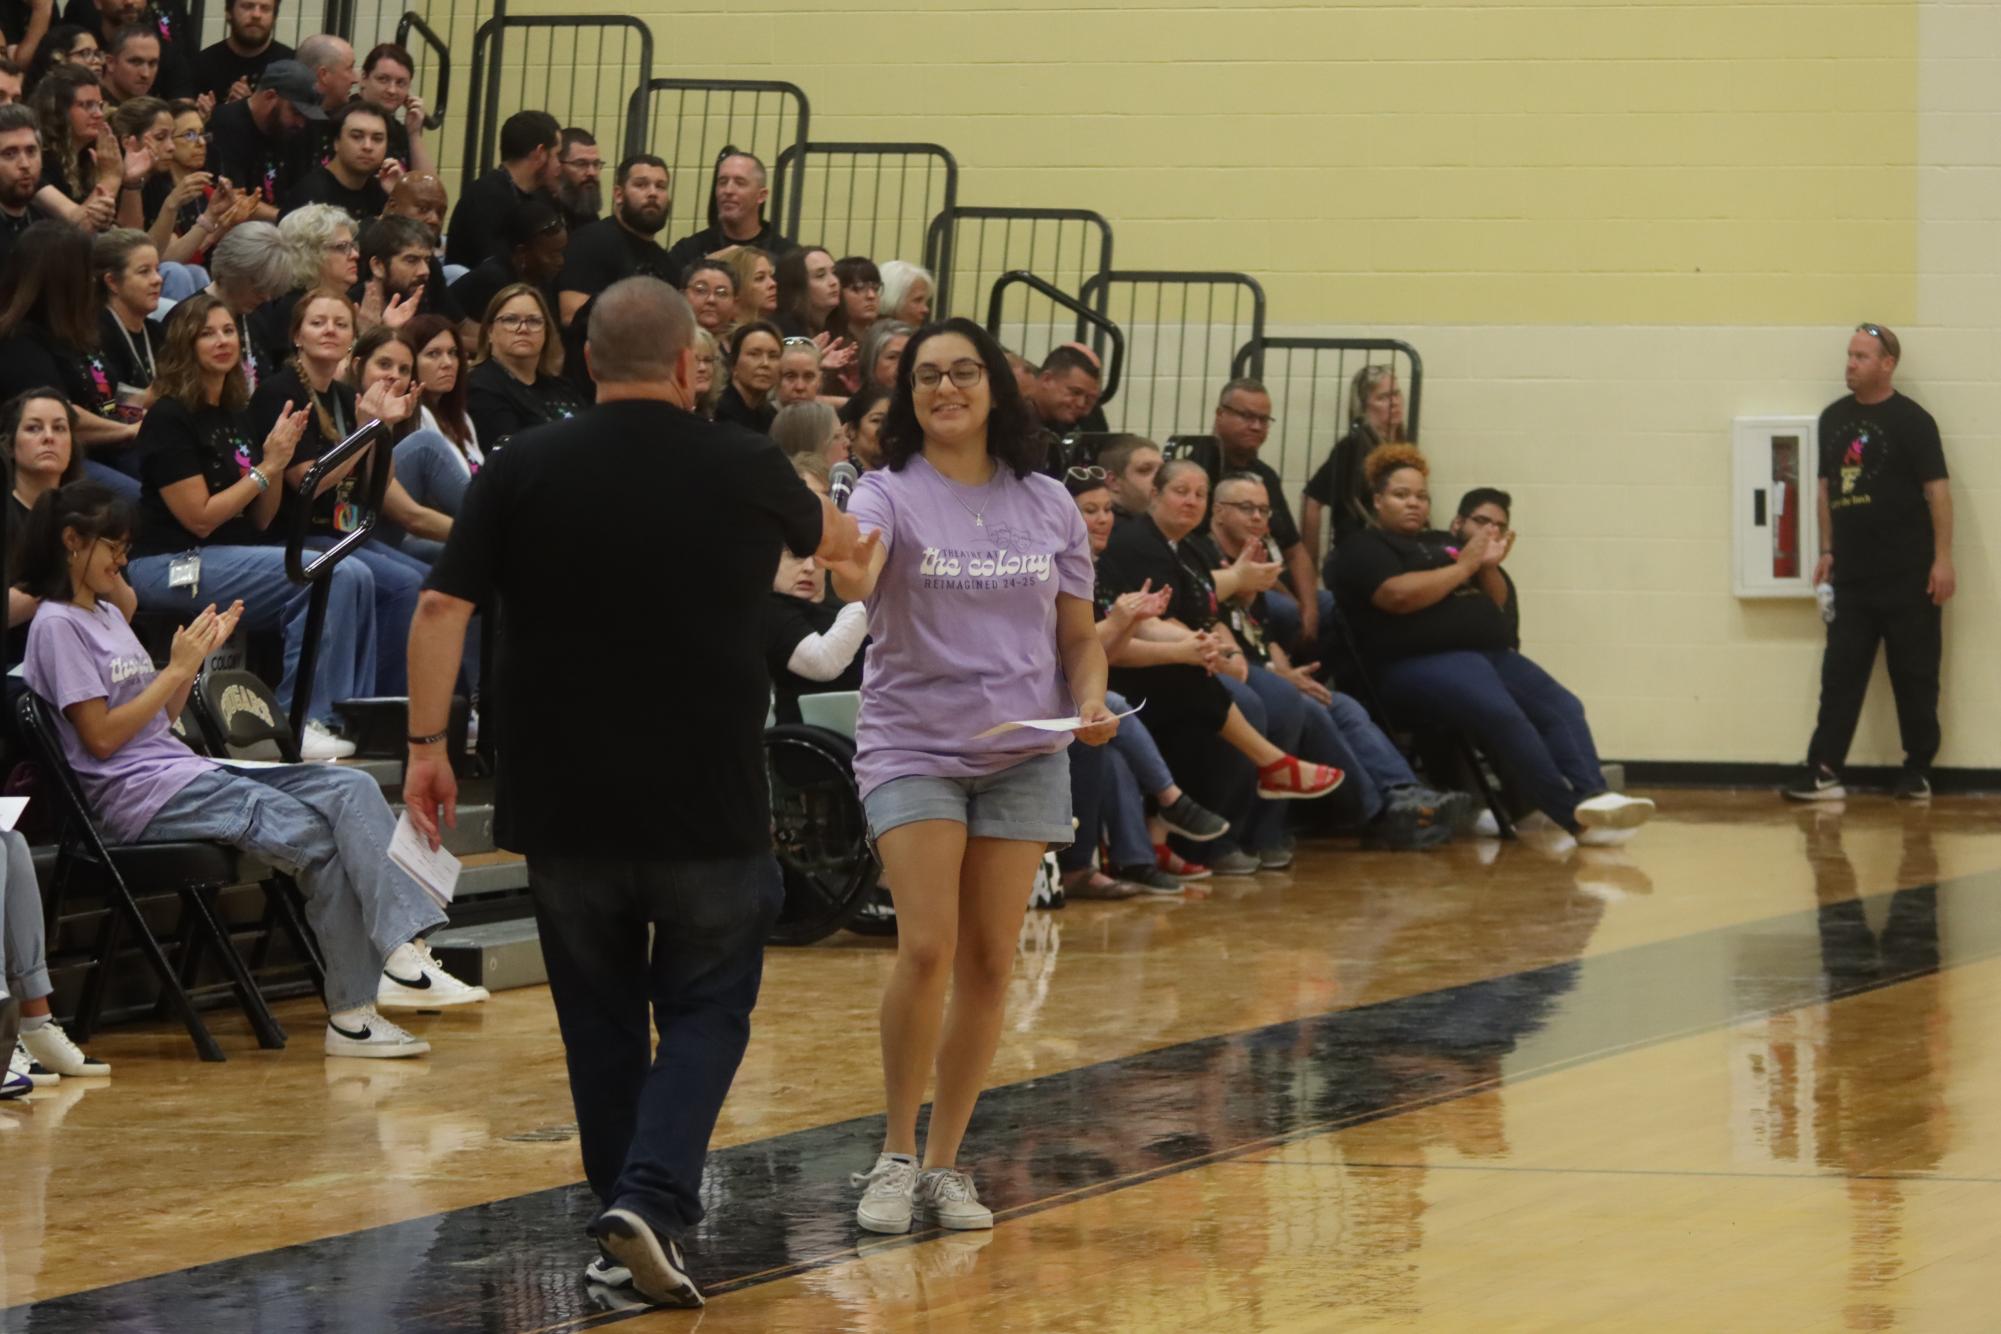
[145,341]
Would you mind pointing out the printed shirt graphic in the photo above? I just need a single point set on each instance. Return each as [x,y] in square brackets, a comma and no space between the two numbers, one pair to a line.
[1876,459]
[962,623]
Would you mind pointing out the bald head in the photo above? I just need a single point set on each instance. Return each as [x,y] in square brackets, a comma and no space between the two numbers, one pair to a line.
[640,332]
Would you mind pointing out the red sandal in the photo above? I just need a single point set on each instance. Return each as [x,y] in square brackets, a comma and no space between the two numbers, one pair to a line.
[1289,778]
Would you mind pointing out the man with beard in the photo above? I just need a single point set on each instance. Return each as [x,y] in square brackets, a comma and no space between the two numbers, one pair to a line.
[251,141]
[228,70]
[532,243]
[20,173]
[528,170]
[396,258]
[736,216]
[420,198]
[622,245]
[350,178]
[578,193]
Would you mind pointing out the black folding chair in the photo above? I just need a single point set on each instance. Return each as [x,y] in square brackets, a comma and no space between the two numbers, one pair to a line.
[192,872]
[236,711]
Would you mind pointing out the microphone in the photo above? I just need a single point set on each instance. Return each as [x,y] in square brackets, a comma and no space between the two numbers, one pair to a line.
[841,483]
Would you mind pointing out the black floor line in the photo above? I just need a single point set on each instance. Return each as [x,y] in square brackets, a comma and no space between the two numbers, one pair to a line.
[783,1206]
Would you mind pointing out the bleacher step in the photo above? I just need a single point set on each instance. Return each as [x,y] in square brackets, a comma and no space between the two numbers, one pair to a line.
[497,955]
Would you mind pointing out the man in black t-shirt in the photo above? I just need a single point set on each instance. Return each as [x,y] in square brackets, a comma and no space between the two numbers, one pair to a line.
[736,216]
[168,18]
[397,261]
[1886,546]
[622,245]
[534,242]
[578,192]
[529,167]
[20,173]
[254,142]
[349,180]
[228,70]
[651,808]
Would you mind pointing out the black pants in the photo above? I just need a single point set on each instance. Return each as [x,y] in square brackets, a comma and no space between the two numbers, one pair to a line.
[1901,616]
[644,1119]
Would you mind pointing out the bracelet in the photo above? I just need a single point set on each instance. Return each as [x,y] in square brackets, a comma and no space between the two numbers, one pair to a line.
[431,740]
[257,475]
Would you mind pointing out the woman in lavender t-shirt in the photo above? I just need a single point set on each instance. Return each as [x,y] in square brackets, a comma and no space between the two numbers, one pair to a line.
[976,572]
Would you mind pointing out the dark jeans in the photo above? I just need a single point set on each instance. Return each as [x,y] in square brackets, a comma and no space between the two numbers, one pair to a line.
[1529,725]
[1900,615]
[644,1118]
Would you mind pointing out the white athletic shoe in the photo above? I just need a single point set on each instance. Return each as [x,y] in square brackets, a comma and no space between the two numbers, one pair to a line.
[1611,810]
[52,1049]
[365,1033]
[19,1082]
[946,1194]
[412,979]
[320,744]
[1601,836]
[889,1194]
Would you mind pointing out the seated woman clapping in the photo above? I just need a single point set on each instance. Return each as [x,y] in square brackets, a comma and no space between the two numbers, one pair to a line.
[327,823]
[1430,615]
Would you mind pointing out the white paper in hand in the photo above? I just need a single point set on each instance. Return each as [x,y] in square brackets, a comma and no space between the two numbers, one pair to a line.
[10,811]
[437,872]
[1072,724]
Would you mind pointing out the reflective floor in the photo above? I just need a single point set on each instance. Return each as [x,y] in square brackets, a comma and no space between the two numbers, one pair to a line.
[1737,1075]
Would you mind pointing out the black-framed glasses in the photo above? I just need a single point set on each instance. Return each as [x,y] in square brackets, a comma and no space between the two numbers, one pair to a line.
[1085,475]
[1484,521]
[522,323]
[965,373]
[1255,418]
[1250,507]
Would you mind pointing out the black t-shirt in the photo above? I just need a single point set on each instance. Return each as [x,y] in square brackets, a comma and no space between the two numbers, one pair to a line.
[1284,530]
[76,189]
[1876,459]
[474,232]
[1340,485]
[11,225]
[501,406]
[1246,620]
[731,408]
[239,150]
[217,68]
[711,239]
[335,510]
[1139,552]
[788,621]
[603,252]
[592,695]
[1466,618]
[437,299]
[129,358]
[175,444]
[33,358]
[321,186]
[478,285]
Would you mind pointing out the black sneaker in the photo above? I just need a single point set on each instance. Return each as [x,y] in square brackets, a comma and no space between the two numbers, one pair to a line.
[1912,785]
[1151,879]
[1197,824]
[1816,783]
[659,1274]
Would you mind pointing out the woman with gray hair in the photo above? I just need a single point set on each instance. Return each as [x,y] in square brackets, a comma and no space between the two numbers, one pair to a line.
[810,428]
[250,266]
[907,292]
[882,349]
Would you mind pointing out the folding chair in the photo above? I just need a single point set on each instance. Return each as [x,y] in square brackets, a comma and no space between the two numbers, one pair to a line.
[192,872]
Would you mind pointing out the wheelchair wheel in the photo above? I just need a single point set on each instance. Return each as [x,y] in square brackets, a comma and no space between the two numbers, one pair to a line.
[818,832]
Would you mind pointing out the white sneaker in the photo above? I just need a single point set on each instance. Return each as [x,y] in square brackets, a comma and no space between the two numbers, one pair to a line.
[19,1079]
[947,1195]
[889,1196]
[52,1048]
[1601,836]
[1486,826]
[1610,810]
[23,1063]
[320,744]
[604,1271]
[412,979]
[365,1033]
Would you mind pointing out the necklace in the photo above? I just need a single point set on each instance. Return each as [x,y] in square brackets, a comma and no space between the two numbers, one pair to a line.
[978,515]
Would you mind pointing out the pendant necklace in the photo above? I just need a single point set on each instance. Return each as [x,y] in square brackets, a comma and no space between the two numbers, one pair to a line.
[978,515]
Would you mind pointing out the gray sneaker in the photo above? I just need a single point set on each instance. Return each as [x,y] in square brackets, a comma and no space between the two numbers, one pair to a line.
[946,1194]
[889,1191]
[1235,862]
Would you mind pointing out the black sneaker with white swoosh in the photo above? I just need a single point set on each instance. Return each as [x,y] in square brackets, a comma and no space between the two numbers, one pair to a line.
[1815,783]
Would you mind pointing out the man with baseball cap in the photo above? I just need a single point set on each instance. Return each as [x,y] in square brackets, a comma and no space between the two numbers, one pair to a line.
[255,140]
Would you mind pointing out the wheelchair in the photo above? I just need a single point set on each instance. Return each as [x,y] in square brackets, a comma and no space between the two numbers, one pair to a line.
[819,833]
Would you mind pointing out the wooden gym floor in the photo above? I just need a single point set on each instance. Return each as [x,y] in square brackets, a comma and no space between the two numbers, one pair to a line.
[1740,1075]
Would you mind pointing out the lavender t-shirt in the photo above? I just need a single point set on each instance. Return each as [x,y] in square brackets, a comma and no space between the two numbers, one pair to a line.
[74,655]
[962,623]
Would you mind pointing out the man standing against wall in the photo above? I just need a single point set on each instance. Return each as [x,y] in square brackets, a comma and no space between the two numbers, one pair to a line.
[1886,545]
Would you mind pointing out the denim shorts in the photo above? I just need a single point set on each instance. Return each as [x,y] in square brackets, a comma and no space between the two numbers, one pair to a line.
[1028,802]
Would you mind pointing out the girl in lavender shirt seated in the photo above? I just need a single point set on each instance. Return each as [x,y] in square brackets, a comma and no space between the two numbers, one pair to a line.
[976,572]
[328,824]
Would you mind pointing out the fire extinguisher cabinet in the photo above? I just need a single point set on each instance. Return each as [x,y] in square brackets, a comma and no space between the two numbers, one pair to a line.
[1775,526]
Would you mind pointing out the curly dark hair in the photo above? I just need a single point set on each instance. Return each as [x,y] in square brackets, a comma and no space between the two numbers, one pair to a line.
[1014,436]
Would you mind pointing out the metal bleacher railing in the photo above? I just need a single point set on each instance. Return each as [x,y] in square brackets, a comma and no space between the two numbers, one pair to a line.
[970,246]
[1180,328]
[691,123]
[1311,380]
[1107,337]
[874,199]
[581,68]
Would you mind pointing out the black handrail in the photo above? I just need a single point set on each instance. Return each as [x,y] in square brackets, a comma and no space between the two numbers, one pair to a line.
[411,22]
[1252,354]
[941,242]
[788,178]
[319,571]
[1114,360]
[483,125]
[639,122]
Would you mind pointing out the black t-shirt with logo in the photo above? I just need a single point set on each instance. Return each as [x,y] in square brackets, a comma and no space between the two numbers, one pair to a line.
[176,444]
[501,405]
[239,151]
[1876,459]
[576,775]
[1466,618]
[217,68]
[129,358]
[321,186]
[33,358]
[603,252]
[1245,619]
[335,510]
[1209,452]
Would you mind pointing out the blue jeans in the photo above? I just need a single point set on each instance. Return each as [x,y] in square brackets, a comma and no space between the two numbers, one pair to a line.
[644,1117]
[271,601]
[330,826]
[1142,754]
[1527,723]
[119,482]
[23,938]
[1282,619]
[1106,800]
[433,471]
[399,579]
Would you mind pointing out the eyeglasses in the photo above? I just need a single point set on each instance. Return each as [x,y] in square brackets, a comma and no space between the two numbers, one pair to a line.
[705,291]
[1249,507]
[591,165]
[520,323]
[1084,475]
[1483,521]
[341,248]
[965,373]
[94,56]
[1254,418]
[191,136]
